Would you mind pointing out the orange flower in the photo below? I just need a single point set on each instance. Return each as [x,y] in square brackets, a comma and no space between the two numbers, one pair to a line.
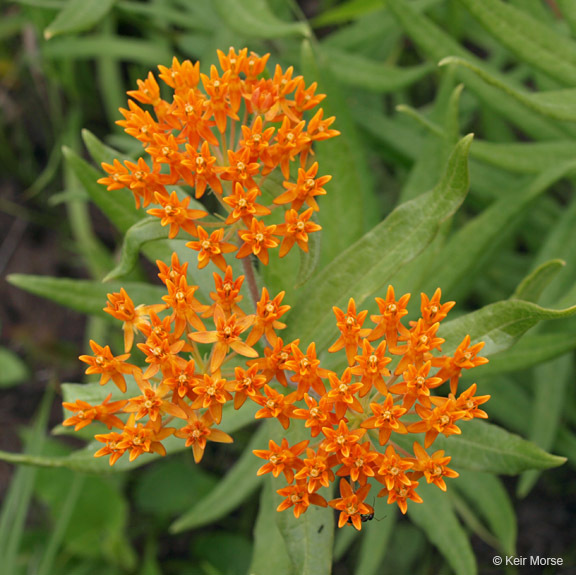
[350,326]
[281,458]
[439,420]
[392,312]
[468,403]
[176,214]
[240,170]
[351,504]
[108,366]
[244,205]
[316,470]
[275,405]
[225,337]
[268,311]
[393,468]
[360,464]
[416,385]
[144,182]
[307,371]
[432,310]
[258,240]
[227,294]
[306,188]
[386,418]
[371,366]
[433,467]
[211,393]
[248,383]
[202,172]
[295,230]
[198,430]
[318,415]
[341,440]
[275,360]
[400,494]
[85,413]
[185,307]
[211,248]
[139,438]
[162,355]
[297,496]
[216,87]
[343,394]
[152,402]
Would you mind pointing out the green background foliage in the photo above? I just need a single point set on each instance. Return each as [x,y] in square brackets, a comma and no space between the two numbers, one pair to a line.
[414,201]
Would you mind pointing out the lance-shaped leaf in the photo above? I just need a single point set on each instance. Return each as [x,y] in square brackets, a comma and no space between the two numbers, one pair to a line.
[532,286]
[558,105]
[524,157]
[270,554]
[253,18]
[78,15]
[375,540]
[530,39]
[372,261]
[84,295]
[234,488]
[436,517]
[372,75]
[484,446]
[492,502]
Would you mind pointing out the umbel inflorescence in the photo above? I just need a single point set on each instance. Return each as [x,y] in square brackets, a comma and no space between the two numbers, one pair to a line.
[189,358]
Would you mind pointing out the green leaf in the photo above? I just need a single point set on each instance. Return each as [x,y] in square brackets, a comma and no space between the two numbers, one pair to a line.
[236,486]
[437,519]
[558,105]
[551,383]
[346,11]
[470,247]
[484,446]
[524,157]
[532,286]
[142,232]
[531,40]
[77,16]
[120,48]
[270,554]
[499,324]
[371,75]
[531,350]
[375,541]
[14,370]
[253,18]
[371,262]
[99,151]
[492,502]
[84,295]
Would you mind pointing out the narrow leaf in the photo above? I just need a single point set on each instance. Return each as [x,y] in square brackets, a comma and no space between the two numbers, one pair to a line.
[77,16]
[532,286]
[375,540]
[253,18]
[14,370]
[437,519]
[492,502]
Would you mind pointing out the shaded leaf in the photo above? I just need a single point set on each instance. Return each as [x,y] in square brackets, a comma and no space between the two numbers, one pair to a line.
[14,370]
[78,15]
[532,286]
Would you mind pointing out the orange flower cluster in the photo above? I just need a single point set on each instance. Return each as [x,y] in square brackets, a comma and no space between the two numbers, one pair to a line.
[356,419]
[227,132]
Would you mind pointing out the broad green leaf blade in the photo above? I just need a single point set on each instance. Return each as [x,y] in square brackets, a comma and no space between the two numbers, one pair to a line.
[524,157]
[558,105]
[471,245]
[369,263]
[371,75]
[118,206]
[142,232]
[270,554]
[100,152]
[375,541]
[532,286]
[253,18]
[499,325]
[437,44]
[551,382]
[531,350]
[236,486]
[309,539]
[492,502]
[77,16]
[486,447]
[84,295]
[437,519]
[531,40]
[14,370]
[345,11]
[309,261]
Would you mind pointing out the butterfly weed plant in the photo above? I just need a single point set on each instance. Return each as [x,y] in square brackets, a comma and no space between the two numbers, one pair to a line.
[341,348]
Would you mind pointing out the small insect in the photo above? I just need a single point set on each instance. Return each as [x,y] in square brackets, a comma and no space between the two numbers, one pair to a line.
[364,517]
[320,528]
